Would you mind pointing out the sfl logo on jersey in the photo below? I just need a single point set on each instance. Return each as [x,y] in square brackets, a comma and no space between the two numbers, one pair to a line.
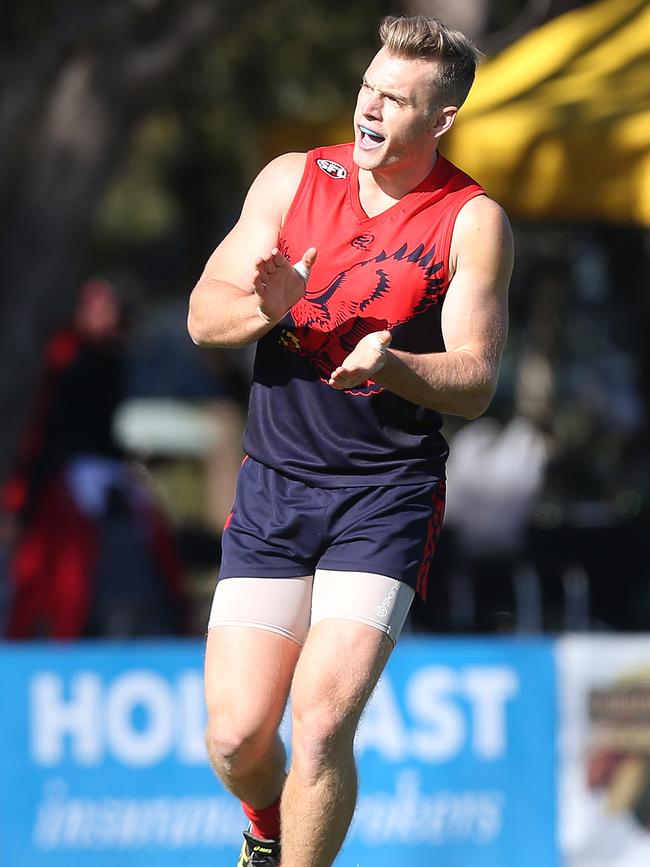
[334,170]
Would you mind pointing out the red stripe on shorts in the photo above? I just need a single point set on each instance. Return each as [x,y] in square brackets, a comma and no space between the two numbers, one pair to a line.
[434,526]
[230,513]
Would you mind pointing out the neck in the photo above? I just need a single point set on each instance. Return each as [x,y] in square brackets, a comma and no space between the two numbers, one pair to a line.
[380,189]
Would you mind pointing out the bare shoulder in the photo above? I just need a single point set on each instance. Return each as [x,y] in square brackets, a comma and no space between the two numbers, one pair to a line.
[285,168]
[281,177]
[475,311]
[482,235]
[482,215]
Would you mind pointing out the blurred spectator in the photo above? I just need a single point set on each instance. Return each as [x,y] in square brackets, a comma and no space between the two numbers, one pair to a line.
[496,474]
[170,377]
[89,551]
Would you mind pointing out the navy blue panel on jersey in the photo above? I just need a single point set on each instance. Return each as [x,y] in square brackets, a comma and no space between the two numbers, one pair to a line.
[307,430]
[281,527]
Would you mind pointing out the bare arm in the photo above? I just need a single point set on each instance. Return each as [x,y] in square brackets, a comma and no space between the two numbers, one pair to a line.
[247,285]
[461,380]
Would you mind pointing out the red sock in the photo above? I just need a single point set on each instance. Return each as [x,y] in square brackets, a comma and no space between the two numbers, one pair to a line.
[264,823]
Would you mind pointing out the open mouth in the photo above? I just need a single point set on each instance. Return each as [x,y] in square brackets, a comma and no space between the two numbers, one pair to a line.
[369,138]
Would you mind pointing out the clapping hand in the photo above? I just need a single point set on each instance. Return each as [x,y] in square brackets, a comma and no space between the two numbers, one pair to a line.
[278,284]
[367,357]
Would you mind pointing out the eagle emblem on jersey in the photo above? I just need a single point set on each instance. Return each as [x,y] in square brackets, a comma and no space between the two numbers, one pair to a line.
[378,293]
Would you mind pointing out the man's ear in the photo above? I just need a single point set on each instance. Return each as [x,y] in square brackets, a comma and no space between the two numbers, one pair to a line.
[444,120]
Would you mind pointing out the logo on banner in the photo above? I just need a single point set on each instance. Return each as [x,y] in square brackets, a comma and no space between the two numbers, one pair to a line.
[619,753]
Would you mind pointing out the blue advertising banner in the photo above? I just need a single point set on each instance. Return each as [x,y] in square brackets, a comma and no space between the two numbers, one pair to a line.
[102,759]
[457,758]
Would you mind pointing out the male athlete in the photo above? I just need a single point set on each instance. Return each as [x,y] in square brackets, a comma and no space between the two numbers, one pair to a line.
[373,277]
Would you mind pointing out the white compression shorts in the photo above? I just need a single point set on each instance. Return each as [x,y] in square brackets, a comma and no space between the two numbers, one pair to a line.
[289,606]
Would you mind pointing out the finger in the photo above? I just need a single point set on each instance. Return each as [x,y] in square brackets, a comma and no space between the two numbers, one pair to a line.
[385,337]
[345,382]
[278,258]
[262,261]
[309,256]
[343,378]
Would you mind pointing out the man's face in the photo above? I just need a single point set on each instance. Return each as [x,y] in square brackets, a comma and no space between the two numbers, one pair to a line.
[394,123]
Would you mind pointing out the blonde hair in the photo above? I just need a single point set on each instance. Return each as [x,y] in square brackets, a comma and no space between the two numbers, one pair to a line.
[422,38]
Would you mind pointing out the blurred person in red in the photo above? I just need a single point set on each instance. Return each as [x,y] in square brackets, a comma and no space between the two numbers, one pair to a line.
[88,548]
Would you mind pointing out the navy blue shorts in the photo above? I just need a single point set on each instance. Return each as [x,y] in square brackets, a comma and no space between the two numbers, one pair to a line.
[280,527]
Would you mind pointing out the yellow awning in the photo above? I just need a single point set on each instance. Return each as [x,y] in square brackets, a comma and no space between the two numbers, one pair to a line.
[558,124]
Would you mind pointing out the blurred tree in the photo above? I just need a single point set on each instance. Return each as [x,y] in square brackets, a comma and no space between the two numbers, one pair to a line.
[493,24]
[276,83]
[128,130]
[76,78]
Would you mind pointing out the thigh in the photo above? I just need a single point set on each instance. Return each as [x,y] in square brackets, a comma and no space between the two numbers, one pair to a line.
[338,669]
[376,600]
[248,675]
[256,629]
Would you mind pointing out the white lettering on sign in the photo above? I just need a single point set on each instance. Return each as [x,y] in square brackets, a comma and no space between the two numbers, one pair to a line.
[410,816]
[153,740]
[56,719]
[489,691]
[65,820]
[441,730]
[404,814]
[140,717]
[191,709]
[446,709]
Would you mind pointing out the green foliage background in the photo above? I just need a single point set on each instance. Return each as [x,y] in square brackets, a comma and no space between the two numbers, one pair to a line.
[276,83]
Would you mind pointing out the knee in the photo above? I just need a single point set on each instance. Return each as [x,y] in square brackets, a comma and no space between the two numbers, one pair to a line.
[235,745]
[321,733]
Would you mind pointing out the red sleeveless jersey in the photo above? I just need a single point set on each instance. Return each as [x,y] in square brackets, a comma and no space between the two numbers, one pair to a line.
[387,271]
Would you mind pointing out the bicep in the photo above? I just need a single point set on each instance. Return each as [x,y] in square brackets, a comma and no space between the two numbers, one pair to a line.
[475,310]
